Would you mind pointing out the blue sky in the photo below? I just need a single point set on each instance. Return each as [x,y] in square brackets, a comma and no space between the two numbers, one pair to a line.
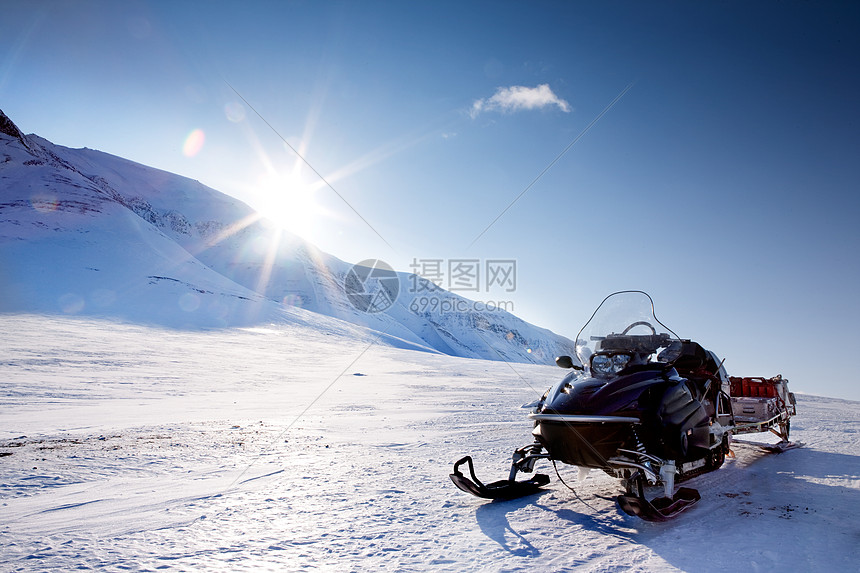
[724,181]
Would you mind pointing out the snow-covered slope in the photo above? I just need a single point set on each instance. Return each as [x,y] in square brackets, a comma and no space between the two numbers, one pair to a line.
[83,232]
[135,448]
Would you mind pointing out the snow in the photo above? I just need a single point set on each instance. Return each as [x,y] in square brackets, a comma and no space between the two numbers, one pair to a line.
[298,445]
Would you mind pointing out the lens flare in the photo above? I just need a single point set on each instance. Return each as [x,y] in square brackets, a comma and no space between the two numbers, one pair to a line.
[44,203]
[71,303]
[234,111]
[292,300]
[193,143]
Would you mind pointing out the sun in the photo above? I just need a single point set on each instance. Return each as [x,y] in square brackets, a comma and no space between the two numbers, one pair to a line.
[289,200]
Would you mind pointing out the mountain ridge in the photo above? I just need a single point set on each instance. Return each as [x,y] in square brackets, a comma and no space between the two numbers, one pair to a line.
[196,257]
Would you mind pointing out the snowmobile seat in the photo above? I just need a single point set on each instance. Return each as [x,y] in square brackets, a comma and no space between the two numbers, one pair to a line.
[686,356]
[695,364]
[699,387]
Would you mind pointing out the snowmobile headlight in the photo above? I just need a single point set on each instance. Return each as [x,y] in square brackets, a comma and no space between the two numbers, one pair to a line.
[603,365]
[619,362]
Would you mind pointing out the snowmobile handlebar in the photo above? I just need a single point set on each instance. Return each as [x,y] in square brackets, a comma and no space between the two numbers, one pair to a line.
[640,343]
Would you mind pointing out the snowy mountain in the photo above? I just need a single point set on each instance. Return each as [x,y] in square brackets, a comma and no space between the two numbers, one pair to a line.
[87,233]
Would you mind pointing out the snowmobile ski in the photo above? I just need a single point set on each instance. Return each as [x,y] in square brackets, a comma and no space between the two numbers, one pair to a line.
[502,489]
[660,509]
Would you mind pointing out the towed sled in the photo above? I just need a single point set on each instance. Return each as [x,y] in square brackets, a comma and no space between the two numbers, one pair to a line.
[644,406]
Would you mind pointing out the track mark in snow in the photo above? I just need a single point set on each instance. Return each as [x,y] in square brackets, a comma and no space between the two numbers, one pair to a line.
[262,476]
[71,505]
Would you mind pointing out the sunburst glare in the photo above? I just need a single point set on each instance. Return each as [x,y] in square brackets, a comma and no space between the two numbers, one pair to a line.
[289,201]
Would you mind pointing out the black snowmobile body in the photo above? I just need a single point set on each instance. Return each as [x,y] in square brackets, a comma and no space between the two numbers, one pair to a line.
[584,422]
[645,406]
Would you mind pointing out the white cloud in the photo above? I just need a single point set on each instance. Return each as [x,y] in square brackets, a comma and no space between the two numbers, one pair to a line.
[518,98]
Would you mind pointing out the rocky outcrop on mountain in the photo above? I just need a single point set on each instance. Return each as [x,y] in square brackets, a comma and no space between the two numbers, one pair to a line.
[9,128]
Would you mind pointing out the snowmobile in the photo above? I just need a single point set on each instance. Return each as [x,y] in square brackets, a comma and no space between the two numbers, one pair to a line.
[645,406]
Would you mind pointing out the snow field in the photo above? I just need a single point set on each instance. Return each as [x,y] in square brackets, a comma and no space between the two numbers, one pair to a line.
[295,446]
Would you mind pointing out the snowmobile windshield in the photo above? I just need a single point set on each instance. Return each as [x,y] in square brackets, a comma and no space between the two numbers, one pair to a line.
[622,332]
